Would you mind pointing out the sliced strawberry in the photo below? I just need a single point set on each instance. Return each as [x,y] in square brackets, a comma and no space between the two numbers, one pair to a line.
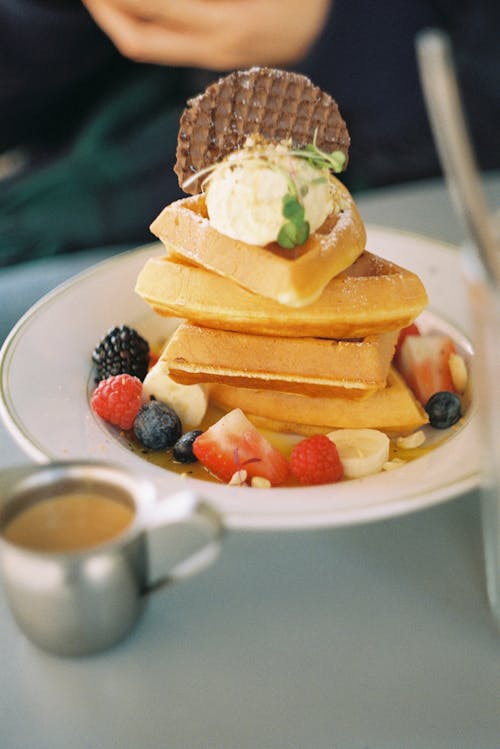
[412,329]
[424,363]
[233,443]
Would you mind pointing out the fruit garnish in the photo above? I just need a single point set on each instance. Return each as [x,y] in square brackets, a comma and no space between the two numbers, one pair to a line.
[362,451]
[444,409]
[183,448]
[188,401]
[458,372]
[233,443]
[117,399]
[315,460]
[121,351]
[157,426]
[424,363]
[412,329]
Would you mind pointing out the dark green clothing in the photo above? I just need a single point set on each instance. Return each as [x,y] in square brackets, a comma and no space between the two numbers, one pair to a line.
[108,182]
[96,134]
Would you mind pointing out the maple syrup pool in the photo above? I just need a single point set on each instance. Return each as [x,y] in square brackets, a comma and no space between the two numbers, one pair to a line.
[283,442]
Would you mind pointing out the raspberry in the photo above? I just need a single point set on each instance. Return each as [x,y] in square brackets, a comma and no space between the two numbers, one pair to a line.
[118,400]
[315,460]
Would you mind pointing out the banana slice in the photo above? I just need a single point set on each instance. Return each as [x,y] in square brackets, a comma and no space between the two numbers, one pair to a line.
[189,401]
[361,451]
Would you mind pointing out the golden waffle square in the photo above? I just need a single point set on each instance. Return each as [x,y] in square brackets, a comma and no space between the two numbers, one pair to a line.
[291,277]
[393,409]
[312,366]
[372,296]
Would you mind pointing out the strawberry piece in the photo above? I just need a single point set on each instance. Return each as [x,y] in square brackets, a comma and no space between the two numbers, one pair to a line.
[315,460]
[233,443]
[424,363]
[412,329]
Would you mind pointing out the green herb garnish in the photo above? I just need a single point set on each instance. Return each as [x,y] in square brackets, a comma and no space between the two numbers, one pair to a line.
[334,161]
[295,230]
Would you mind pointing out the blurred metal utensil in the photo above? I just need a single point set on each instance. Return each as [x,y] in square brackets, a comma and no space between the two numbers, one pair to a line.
[444,107]
[481,264]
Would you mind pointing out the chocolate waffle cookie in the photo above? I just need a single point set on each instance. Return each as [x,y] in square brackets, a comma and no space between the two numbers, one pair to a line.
[274,104]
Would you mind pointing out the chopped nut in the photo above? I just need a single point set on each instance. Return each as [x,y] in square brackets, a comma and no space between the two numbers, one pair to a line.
[458,371]
[238,478]
[259,482]
[411,440]
[392,464]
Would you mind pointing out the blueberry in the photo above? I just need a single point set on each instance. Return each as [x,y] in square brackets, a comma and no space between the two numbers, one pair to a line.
[183,448]
[444,409]
[157,426]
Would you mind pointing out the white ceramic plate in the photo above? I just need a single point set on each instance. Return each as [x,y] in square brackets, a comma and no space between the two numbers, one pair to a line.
[45,371]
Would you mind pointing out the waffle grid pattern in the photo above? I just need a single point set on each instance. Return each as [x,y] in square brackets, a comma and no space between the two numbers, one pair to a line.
[274,104]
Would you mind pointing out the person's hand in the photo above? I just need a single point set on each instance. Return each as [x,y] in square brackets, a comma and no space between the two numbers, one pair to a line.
[215,34]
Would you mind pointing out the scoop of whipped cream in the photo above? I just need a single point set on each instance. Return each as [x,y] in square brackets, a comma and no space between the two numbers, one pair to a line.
[244,193]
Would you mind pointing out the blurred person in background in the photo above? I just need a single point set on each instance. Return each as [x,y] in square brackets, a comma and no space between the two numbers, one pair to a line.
[91,94]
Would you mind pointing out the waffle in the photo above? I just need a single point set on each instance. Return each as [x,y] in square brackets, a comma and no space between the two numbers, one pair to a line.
[301,340]
[292,277]
[274,104]
[371,296]
[393,409]
[313,366]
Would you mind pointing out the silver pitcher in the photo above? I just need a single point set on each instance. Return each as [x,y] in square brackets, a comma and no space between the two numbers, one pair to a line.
[80,602]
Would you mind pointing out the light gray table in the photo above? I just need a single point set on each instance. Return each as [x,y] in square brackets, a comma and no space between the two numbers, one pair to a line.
[371,637]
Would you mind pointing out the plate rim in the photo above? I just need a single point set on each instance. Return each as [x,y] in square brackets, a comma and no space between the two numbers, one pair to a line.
[271,519]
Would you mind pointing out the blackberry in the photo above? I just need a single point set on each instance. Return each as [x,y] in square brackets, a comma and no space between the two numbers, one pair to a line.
[121,351]
[183,448]
[157,426]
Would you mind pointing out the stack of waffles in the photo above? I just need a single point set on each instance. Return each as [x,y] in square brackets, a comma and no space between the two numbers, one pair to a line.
[301,340]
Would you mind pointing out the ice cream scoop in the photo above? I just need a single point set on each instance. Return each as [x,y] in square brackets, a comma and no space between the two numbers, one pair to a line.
[245,193]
